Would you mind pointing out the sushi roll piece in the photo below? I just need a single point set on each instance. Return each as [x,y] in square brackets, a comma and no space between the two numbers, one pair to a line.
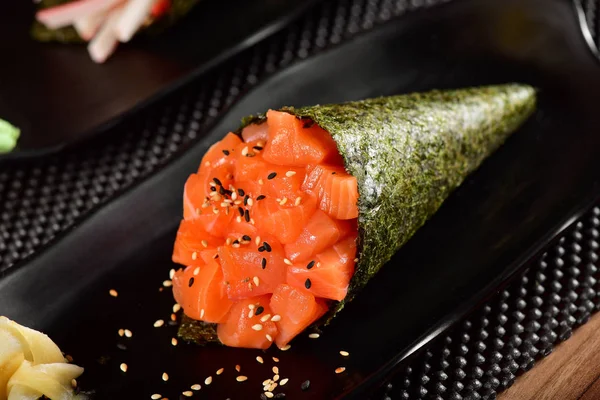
[289,217]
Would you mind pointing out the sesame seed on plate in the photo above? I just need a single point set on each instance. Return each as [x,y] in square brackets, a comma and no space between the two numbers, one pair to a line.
[265,318]
[298,200]
[269,337]
[176,307]
[276,318]
[275,370]
[344,353]
[275,359]
[340,370]
[165,376]
[276,378]
[286,347]
[283,381]
[220,371]
[123,367]
[288,262]
[156,396]
[121,332]
[128,333]
[260,359]
[208,380]
[113,293]
[167,283]
[173,317]
[269,395]
[159,323]
[257,327]
[188,393]
[314,336]
[290,173]
[241,378]
[196,387]
[238,368]
[305,385]
[174,341]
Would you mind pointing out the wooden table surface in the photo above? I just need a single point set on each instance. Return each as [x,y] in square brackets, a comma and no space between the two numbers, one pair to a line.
[572,371]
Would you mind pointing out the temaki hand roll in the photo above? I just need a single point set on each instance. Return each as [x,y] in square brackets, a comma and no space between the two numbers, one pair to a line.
[287,219]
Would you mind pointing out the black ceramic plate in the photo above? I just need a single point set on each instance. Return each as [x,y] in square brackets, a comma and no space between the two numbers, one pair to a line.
[501,216]
[57,95]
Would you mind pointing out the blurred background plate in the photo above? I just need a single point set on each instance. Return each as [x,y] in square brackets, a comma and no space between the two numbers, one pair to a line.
[57,95]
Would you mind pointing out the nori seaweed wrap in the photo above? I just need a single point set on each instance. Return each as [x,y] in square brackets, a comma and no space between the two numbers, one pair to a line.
[407,154]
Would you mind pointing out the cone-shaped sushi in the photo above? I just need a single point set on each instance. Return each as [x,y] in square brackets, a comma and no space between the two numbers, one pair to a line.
[286,220]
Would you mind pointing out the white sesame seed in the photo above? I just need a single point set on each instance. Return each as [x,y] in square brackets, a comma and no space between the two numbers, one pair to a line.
[167,283]
[275,370]
[220,371]
[174,341]
[234,195]
[213,184]
[224,204]
[276,378]
[290,173]
[260,359]
[156,396]
[176,307]
[208,380]
[113,293]
[340,370]
[356,260]
[275,359]
[265,318]
[245,151]
[207,164]
[165,376]
[286,347]
[188,393]
[235,245]
[202,313]
[251,306]
[194,255]
[250,313]
[272,387]
[257,240]
[215,210]
[205,205]
[238,202]
[314,336]
[269,337]
[196,387]
[250,202]
[283,201]
[276,318]
[121,332]
[241,378]
[344,353]
[228,241]
[269,395]
[128,333]
[257,327]
[73,383]
[238,368]
[283,381]
[255,280]
[173,317]
[288,262]
[261,143]
[172,273]
[261,182]
[267,382]
[252,221]
[298,200]
[159,323]
[123,367]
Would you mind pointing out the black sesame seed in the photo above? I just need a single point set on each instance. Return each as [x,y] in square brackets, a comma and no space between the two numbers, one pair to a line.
[307,283]
[246,237]
[261,249]
[241,211]
[262,196]
[267,246]
[263,263]
[279,396]
[217,181]
[305,385]
[272,175]
[191,282]
[263,396]
[236,241]
[310,264]
[247,215]
[259,310]
[259,148]
[246,200]
[213,189]
[226,152]
[121,346]
[241,192]
[222,190]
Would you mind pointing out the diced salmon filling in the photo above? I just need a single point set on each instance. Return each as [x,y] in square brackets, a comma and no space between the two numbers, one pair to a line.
[268,237]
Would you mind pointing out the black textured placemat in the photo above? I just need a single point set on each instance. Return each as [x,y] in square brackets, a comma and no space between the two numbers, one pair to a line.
[40,199]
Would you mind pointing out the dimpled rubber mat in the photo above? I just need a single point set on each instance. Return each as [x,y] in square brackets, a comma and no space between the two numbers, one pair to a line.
[40,199]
